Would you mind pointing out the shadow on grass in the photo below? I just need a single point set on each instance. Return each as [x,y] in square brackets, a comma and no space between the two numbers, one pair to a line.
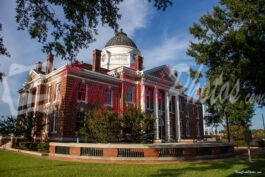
[229,168]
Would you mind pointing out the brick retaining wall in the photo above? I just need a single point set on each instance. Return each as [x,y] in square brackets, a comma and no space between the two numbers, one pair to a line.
[142,150]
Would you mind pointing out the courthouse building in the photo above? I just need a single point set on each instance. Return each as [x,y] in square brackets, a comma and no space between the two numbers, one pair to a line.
[116,78]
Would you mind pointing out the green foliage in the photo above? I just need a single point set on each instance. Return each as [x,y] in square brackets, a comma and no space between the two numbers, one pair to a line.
[229,42]
[258,134]
[43,147]
[3,50]
[65,27]
[32,146]
[102,125]
[29,125]
[261,143]
[137,126]
[8,126]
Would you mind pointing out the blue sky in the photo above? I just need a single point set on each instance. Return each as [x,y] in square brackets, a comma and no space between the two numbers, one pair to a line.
[162,37]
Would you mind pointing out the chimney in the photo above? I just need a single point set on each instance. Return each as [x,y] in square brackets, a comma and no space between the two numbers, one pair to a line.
[49,64]
[138,63]
[96,60]
[39,66]
[198,93]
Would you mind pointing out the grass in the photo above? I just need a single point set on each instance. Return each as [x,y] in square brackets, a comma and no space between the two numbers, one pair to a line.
[18,165]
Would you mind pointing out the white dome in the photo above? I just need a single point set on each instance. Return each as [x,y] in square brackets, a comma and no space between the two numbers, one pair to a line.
[119,51]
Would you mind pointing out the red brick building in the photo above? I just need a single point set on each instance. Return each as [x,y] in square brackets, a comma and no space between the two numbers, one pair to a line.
[116,78]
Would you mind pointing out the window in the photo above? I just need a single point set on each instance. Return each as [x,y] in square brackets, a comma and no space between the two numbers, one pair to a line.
[80,121]
[129,96]
[49,94]
[193,109]
[57,91]
[108,96]
[187,128]
[47,122]
[198,129]
[187,109]
[181,129]
[55,116]
[148,98]
[81,91]
[171,104]
[160,101]
[197,112]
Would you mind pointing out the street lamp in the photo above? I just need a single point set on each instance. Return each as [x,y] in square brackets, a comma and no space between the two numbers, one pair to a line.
[227,124]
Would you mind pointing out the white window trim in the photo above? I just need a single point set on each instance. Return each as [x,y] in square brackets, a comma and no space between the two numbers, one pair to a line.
[55,120]
[148,94]
[86,90]
[57,92]
[49,94]
[132,95]
[111,98]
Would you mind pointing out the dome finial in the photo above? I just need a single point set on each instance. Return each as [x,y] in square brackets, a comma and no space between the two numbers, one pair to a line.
[121,30]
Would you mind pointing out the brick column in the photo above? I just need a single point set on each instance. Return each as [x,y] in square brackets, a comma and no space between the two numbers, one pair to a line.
[110,152]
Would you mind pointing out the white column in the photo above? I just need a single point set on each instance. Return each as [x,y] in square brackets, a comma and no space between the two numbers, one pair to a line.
[167,116]
[29,100]
[142,97]
[177,118]
[156,113]
[36,100]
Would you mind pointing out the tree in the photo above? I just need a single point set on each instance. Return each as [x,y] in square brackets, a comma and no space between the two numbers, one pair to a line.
[30,125]
[102,125]
[230,42]
[8,126]
[65,27]
[3,50]
[136,125]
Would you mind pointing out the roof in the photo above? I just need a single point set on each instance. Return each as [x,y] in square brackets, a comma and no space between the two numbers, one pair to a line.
[120,38]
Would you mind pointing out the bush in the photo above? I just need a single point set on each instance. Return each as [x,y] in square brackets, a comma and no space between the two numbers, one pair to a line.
[241,143]
[43,147]
[31,146]
[261,143]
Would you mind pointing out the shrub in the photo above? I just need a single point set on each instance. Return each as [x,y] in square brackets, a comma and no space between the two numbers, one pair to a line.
[261,143]
[31,146]
[43,147]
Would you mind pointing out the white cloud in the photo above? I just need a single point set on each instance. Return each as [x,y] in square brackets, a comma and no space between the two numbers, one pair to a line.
[136,14]
[170,51]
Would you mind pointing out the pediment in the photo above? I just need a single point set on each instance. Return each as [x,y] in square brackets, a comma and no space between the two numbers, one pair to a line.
[163,73]
[160,72]
[32,75]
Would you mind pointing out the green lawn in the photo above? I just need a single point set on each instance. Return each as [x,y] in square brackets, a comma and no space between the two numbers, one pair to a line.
[16,164]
